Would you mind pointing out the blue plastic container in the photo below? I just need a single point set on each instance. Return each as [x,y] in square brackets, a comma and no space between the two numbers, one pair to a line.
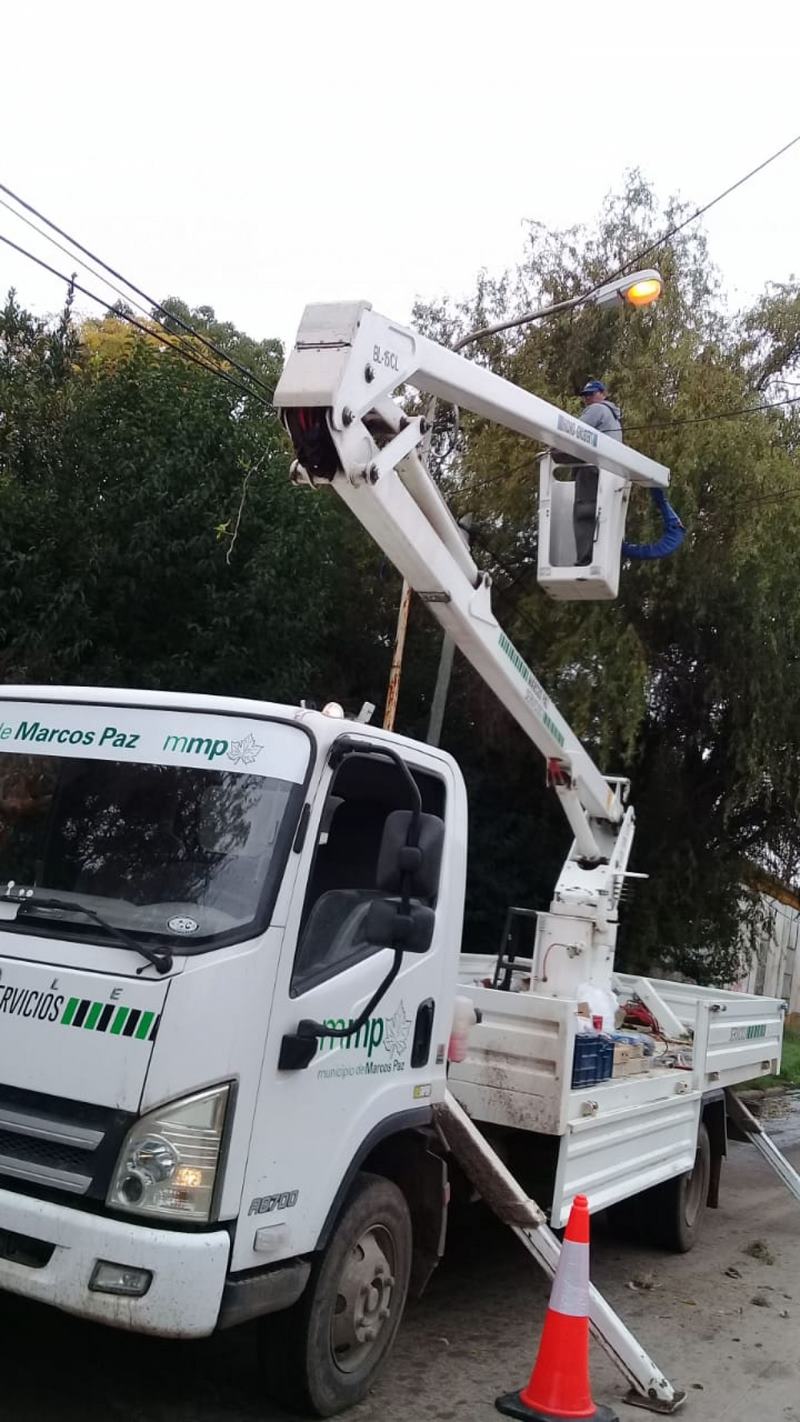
[593,1060]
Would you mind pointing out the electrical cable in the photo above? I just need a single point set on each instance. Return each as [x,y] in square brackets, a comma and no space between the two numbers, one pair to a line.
[700,212]
[160,336]
[572,303]
[739,413]
[661,241]
[249,375]
[125,295]
[67,253]
[163,338]
[155,305]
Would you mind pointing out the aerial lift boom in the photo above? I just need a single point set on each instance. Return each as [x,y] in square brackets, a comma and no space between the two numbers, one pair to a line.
[337,396]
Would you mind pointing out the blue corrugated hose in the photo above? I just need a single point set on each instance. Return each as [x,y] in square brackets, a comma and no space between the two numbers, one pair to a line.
[670,540]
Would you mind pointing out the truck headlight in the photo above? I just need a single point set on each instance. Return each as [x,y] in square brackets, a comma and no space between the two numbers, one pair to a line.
[168,1164]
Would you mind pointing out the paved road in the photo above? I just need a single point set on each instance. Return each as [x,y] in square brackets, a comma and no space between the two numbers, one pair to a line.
[473,1335]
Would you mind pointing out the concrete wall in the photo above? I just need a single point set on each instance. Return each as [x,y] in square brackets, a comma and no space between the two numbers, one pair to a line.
[775,964]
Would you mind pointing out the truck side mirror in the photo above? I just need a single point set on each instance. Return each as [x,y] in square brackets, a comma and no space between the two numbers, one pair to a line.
[422,861]
[410,870]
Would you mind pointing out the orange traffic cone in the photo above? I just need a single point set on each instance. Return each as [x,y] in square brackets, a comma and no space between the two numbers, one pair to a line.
[559,1387]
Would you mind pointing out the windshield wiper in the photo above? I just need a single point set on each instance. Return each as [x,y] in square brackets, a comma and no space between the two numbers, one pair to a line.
[161,958]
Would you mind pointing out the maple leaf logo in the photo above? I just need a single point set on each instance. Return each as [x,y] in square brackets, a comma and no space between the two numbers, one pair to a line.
[245,750]
[395,1036]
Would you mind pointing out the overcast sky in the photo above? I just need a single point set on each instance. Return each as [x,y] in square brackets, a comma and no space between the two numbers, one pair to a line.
[256,156]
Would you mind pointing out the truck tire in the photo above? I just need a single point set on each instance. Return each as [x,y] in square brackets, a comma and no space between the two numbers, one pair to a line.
[323,1354]
[673,1212]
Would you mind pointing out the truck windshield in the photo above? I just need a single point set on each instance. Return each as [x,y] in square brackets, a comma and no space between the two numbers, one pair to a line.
[168,851]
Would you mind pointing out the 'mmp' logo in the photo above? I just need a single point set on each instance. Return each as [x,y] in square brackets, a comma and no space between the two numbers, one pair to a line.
[391,1032]
[196,745]
[369,1035]
[243,752]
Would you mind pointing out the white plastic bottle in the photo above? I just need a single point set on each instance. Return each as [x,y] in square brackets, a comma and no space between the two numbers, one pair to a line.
[464,1018]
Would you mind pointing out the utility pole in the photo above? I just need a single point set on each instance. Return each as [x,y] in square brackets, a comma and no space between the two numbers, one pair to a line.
[393,690]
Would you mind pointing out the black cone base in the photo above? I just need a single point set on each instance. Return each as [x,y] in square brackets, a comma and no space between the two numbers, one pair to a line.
[511,1405]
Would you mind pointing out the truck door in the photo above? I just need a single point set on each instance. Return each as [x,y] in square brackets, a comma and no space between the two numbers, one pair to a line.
[313,1122]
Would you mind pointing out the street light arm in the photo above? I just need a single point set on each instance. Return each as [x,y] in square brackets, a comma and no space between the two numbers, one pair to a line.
[612,292]
[517,321]
[478,335]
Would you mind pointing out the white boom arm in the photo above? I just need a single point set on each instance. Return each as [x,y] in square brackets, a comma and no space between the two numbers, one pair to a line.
[335,395]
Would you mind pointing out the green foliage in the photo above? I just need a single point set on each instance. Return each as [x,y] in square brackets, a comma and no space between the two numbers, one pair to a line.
[789,1074]
[120,463]
[690,683]
[790,1066]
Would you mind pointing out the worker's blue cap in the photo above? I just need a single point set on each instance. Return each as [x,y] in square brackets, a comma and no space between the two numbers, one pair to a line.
[593,387]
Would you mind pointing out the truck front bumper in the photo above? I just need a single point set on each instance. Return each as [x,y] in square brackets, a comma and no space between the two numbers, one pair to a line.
[188,1270]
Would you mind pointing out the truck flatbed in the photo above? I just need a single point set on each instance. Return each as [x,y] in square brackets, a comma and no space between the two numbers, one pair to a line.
[629,1132]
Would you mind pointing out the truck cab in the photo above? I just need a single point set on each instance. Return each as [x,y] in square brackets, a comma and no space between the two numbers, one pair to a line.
[184,880]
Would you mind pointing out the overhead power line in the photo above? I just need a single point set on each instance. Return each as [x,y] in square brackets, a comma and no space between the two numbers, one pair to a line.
[740,413]
[737,414]
[638,257]
[67,253]
[160,335]
[251,376]
[154,305]
[125,295]
[671,232]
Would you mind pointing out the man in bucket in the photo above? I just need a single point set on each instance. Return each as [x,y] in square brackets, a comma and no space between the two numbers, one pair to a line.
[602,415]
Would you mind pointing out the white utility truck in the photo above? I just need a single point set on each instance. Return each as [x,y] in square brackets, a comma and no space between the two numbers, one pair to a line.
[230,938]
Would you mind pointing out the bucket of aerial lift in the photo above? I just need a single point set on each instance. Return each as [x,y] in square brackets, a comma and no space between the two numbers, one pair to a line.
[559,572]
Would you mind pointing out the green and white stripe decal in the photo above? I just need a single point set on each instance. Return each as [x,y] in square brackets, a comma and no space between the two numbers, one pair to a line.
[110,1017]
[537,697]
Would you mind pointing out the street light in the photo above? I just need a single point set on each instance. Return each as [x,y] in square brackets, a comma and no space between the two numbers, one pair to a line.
[644,291]
[637,289]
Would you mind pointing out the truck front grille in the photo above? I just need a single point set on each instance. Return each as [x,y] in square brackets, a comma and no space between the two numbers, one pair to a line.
[48,1144]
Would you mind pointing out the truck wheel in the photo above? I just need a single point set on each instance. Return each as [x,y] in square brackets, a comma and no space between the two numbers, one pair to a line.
[675,1210]
[322,1355]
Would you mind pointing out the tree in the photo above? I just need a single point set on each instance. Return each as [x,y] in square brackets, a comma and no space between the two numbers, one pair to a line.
[123,472]
[690,682]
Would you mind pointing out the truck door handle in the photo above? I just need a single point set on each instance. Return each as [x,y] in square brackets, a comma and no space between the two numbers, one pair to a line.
[423,1031]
